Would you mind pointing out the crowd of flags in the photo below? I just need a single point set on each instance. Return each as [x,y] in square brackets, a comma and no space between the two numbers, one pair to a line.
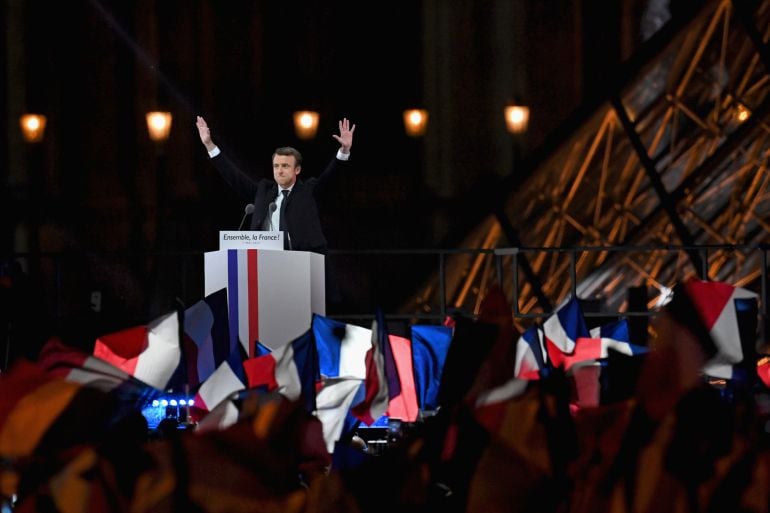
[500,420]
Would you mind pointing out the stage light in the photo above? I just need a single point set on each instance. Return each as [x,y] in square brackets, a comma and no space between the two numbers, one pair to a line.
[168,407]
[305,124]
[415,122]
[516,118]
[32,127]
[159,125]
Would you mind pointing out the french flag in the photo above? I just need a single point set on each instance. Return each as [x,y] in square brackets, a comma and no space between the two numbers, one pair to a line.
[562,329]
[333,401]
[150,353]
[70,364]
[717,304]
[291,370]
[341,348]
[206,338]
[223,383]
[430,345]
[529,354]
[403,405]
[377,395]
[614,336]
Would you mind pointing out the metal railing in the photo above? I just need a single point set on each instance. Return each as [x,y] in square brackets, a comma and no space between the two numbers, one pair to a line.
[150,283]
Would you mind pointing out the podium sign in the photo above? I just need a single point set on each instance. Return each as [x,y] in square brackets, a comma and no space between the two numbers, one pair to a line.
[249,239]
[271,295]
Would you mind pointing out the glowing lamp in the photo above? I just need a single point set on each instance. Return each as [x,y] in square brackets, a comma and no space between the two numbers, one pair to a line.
[32,127]
[305,124]
[159,125]
[415,122]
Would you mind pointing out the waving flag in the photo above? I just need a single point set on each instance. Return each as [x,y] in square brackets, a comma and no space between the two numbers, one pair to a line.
[206,339]
[564,327]
[529,354]
[62,361]
[291,370]
[389,357]
[341,348]
[719,306]
[225,381]
[333,402]
[430,345]
[150,353]
[404,404]
[377,397]
[612,336]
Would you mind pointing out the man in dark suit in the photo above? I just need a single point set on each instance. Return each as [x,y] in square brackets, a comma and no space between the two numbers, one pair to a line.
[285,203]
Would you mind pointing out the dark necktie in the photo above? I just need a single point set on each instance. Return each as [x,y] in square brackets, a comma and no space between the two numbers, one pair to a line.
[282,213]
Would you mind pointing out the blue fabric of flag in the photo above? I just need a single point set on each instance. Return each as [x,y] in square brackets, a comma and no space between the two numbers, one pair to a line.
[328,337]
[306,361]
[430,345]
[391,371]
[616,331]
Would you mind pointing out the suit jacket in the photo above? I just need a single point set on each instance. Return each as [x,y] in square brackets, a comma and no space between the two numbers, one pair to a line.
[302,222]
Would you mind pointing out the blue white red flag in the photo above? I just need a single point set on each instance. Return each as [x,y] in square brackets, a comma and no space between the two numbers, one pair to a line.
[430,345]
[529,354]
[206,338]
[718,304]
[564,327]
[150,353]
[404,405]
[62,361]
[377,398]
[291,370]
[341,348]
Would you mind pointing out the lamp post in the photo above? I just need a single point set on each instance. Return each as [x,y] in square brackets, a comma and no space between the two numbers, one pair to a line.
[516,122]
[159,130]
[22,222]
[33,131]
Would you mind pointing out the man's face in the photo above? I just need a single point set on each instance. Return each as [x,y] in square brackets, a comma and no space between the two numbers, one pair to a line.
[284,170]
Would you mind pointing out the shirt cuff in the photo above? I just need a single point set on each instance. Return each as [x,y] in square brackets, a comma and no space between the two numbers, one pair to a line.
[342,156]
[213,153]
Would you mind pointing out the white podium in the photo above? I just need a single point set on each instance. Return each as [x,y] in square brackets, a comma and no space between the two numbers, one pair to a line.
[271,295]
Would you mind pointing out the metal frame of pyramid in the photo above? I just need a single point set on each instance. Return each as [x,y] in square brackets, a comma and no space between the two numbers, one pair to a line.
[664,178]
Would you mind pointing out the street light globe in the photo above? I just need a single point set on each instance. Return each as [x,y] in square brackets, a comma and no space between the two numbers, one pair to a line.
[32,127]
[159,125]
[516,118]
[415,122]
[305,123]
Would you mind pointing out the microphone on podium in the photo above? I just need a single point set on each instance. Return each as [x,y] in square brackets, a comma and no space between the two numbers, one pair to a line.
[248,210]
[270,209]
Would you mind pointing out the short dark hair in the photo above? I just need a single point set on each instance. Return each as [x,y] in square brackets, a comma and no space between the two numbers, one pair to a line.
[288,151]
